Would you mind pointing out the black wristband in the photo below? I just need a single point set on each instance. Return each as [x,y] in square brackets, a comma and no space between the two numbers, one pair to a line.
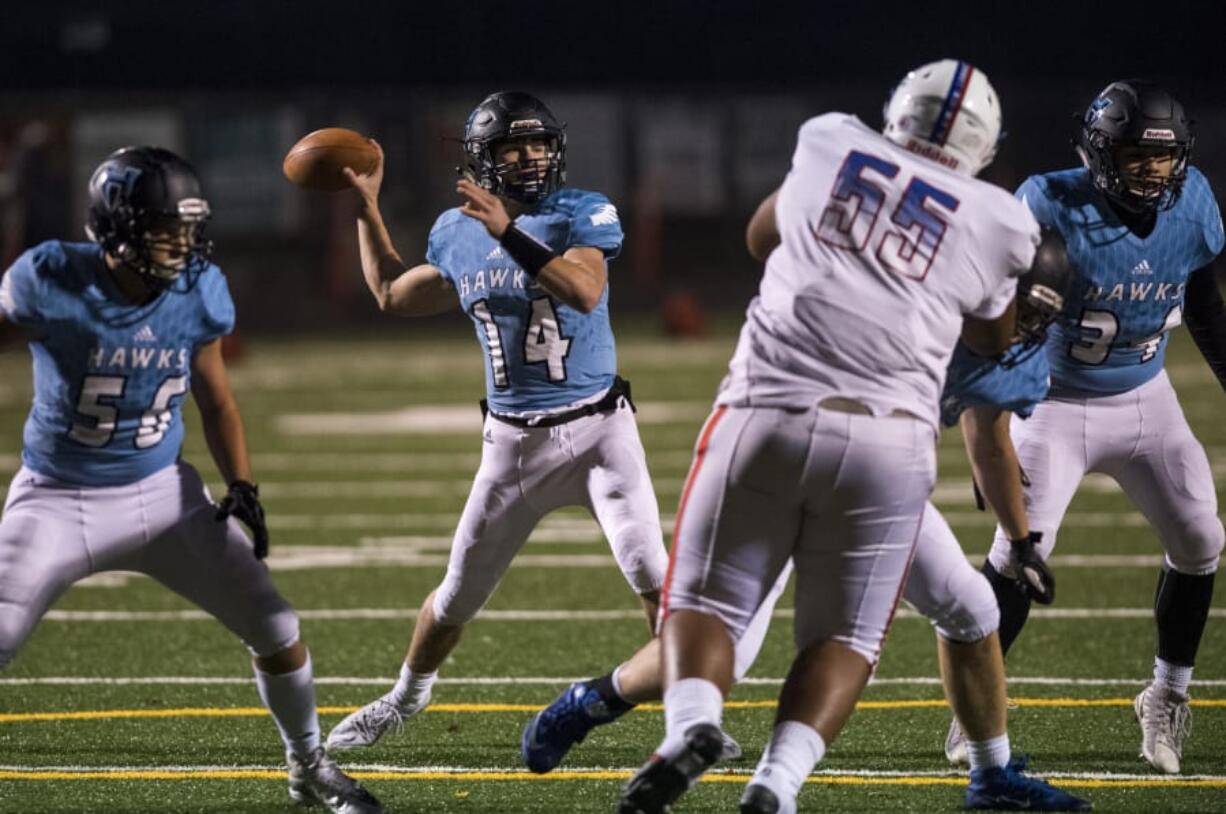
[530,253]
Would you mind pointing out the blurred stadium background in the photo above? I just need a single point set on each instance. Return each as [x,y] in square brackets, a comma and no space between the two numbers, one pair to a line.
[364,428]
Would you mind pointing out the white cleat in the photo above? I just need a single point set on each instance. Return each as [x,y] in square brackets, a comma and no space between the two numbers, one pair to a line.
[1166,721]
[316,780]
[364,727]
[955,745]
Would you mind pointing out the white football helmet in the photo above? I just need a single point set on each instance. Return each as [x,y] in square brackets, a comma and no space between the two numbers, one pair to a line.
[946,111]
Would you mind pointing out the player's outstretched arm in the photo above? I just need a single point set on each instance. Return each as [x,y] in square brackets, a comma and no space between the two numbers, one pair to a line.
[990,337]
[762,233]
[985,431]
[1206,317]
[223,430]
[576,277]
[419,291]
[219,415]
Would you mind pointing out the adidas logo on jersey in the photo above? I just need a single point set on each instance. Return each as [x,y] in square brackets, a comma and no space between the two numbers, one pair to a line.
[1142,268]
[145,334]
[495,254]
[605,215]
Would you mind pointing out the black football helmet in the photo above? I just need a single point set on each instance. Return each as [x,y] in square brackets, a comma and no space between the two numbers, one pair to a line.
[1043,290]
[144,199]
[1135,113]
[508,115]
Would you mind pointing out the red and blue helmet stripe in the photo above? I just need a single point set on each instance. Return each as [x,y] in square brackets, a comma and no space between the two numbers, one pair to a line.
[952,103]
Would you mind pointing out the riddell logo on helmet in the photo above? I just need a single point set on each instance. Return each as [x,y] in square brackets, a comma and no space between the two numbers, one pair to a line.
[525,124]
[929,151]
[1158,134]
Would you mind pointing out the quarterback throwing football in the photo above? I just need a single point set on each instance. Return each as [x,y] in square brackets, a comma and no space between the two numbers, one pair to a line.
[526,258]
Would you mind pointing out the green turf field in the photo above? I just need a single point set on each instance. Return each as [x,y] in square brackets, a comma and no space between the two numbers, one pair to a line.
[126,700]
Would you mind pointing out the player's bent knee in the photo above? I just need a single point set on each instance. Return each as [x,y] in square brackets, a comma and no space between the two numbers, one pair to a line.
[275,634]
[641,556]
[456,605]
[974,615]
[1199,549]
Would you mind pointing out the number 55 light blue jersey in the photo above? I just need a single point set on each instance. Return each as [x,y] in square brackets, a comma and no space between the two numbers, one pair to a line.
[541,354]
[108,376]
[1128,291]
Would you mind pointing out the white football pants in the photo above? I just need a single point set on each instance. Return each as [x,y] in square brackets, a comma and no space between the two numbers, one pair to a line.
[526,472]
[1142,440]
[840,494]
[53,534]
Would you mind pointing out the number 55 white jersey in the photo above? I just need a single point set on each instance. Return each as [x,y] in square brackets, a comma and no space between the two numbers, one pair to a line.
[883,251]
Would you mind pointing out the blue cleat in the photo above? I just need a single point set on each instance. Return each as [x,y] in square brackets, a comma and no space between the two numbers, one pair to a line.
[1010,789]
[555,729]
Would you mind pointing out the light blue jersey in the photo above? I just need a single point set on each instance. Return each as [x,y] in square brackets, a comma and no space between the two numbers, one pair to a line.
[108,376]
[1128,291]
[541,354]
[973,381]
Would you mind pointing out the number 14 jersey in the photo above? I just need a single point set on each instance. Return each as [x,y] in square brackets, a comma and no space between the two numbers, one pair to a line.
[540,353]
[882,253]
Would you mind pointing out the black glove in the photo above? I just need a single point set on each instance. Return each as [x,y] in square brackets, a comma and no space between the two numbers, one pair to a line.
[1031,573]
[243,501]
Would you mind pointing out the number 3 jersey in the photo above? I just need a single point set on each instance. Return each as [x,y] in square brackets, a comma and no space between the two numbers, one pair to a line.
[882,253]
[540,353]
[1128,291]
[109,376]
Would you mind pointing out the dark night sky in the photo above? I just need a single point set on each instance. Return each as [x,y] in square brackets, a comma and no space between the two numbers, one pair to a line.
[591,43]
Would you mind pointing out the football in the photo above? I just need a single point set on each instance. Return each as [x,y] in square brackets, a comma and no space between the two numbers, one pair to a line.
[316,161]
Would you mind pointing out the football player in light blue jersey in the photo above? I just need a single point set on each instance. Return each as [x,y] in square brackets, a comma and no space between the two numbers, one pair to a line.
[121,329]
[526,259]
[1142,230]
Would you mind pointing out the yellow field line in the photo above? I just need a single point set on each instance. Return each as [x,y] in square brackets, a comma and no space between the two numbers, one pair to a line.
[247,712]
[516,777]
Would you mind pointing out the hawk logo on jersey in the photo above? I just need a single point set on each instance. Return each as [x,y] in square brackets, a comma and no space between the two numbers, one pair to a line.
[605,215]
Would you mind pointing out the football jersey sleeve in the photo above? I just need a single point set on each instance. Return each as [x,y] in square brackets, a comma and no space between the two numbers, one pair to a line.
[597,224]
[218,317]
[21,291]
[1033,193]
[439,248]
[1206,211]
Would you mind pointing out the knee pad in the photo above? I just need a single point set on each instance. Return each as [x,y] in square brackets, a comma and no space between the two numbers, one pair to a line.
[456,604]
[1199,549]
[973,612]
[641,556]
[273,633]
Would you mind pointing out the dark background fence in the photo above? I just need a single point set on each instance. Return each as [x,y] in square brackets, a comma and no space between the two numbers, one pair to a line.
[684,113]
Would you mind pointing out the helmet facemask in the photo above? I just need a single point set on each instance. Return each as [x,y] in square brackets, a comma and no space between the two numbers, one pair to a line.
[528,179]
[1129,120]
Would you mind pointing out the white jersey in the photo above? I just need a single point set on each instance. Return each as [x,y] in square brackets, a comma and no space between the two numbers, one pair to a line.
[883,251]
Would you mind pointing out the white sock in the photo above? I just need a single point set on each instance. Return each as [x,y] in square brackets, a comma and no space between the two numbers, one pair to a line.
[688,702]
[615,679]
[992,753]
[412,689]
[1173,676]
[794,749]
[290,697]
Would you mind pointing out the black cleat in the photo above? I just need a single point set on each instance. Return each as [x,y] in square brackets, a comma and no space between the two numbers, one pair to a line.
[758,799]
[656,786]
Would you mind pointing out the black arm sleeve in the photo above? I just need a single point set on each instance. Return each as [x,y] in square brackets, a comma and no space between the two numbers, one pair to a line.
[1205,314]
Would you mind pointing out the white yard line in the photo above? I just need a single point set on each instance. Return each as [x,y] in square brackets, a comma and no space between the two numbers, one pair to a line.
[510,771]
[344,614]
[521,681]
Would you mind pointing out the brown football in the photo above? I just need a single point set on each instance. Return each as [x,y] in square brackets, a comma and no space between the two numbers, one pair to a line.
[316,161]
